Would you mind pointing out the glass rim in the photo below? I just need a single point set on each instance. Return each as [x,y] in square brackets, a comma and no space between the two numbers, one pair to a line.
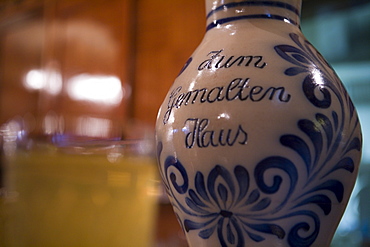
[88,147]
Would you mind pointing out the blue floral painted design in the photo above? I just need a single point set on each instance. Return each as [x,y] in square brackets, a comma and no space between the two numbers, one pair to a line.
[224,203]
[319,74]
[238,205]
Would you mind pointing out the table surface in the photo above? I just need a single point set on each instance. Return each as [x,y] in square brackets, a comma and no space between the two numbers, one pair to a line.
[168,230]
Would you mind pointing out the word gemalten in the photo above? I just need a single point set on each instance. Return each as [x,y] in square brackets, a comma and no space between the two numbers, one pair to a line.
[237,89]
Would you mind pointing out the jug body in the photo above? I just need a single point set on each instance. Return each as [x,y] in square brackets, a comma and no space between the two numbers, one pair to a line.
[258,141]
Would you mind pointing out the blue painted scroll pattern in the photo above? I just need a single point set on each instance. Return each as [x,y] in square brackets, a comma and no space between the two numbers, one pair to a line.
[236,204]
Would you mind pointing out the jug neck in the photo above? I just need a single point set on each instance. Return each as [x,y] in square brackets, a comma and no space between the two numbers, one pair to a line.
[224,12]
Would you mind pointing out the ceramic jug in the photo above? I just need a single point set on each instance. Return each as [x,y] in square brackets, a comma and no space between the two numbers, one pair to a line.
[258,141]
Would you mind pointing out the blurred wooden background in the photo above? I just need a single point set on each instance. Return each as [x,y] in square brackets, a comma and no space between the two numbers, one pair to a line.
[143,42]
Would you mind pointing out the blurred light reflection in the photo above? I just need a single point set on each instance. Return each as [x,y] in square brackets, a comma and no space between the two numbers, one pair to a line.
[49,81]
[93,127]
[52,123]
[96,88]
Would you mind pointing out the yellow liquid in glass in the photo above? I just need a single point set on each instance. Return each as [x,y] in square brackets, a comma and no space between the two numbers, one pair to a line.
[65,199]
